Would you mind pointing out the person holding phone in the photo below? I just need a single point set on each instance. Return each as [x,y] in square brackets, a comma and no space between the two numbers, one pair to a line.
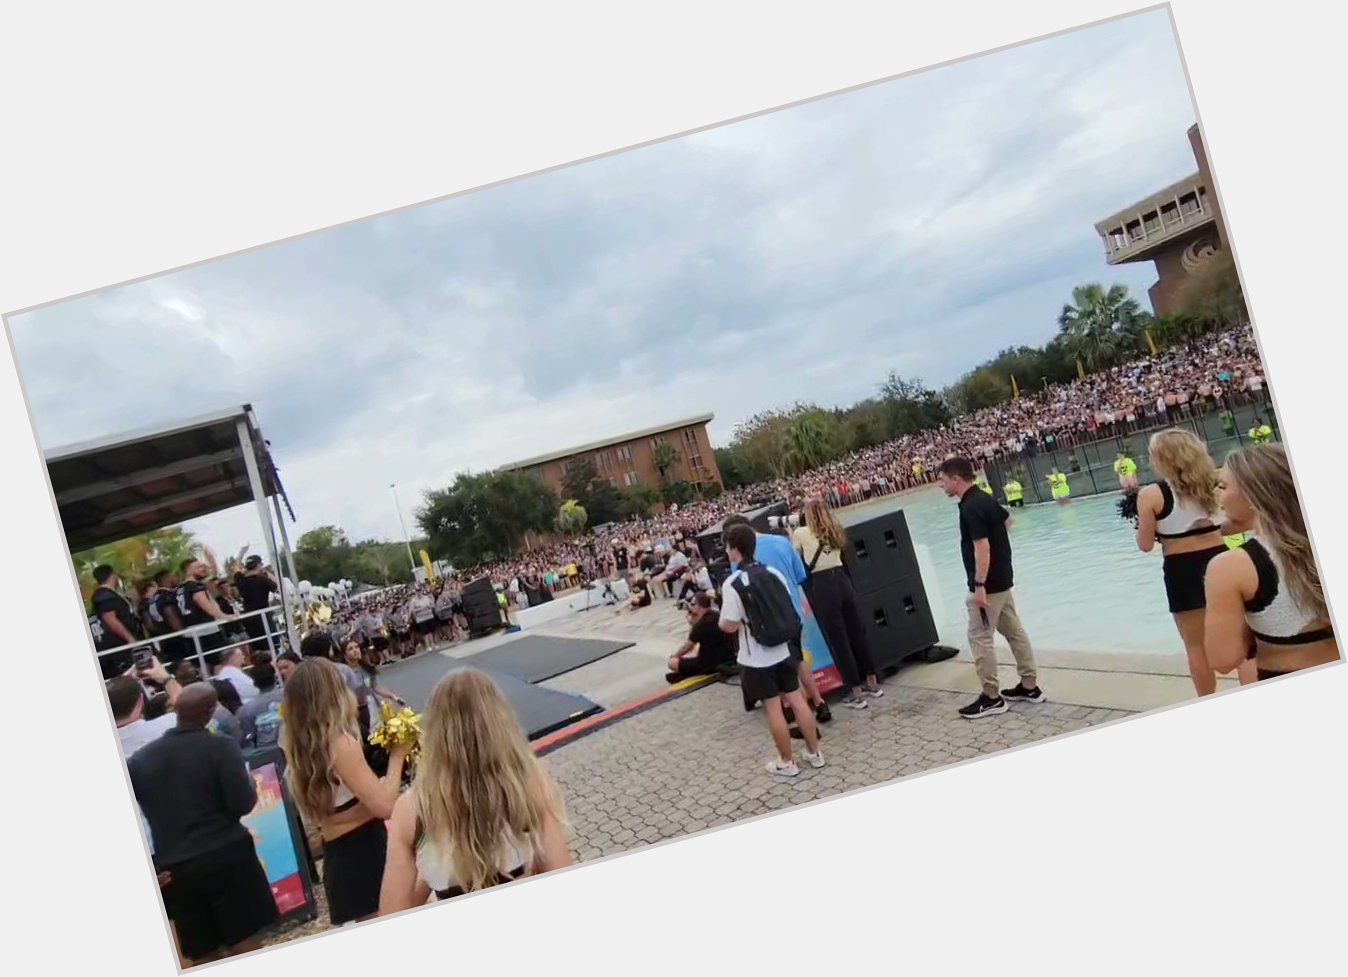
[986,549]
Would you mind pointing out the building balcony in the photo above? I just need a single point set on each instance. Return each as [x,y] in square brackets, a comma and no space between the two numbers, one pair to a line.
[1137,233]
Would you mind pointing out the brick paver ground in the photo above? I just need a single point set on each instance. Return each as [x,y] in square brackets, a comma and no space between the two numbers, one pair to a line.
[698,762]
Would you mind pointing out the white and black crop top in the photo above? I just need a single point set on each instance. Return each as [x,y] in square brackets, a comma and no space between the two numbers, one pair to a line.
[1273,615]
[1179,518]
[436,868]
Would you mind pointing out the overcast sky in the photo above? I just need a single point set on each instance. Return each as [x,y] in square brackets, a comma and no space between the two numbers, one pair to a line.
[920,226]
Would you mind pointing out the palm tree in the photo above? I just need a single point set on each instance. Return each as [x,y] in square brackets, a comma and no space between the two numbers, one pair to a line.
[1100,323]
[806,443]
[665,456]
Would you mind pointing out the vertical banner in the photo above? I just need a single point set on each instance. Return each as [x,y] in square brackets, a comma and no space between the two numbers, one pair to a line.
[270,825]
[816,651]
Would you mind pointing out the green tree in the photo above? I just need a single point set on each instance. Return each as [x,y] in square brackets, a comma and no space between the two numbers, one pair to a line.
[137,558]
[485,516]
[323,554]
[639,502]
[665,457]
[910,406]
[1100,324]
[811,440]
[678,493]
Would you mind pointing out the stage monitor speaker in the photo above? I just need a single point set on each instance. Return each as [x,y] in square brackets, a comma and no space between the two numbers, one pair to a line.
[718,572]
[479,621]
[482,585]
[898,621]
[880,552]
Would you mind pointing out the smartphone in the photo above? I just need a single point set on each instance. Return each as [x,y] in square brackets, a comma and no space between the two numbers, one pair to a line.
[983,613]
[143,658]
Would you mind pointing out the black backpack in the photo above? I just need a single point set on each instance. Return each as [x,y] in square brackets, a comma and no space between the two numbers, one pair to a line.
[769,613]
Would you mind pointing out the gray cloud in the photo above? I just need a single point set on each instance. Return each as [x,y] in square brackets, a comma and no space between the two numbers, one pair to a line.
[920,225]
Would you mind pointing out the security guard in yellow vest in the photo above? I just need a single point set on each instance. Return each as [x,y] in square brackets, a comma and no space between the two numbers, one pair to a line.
[1261,433]
[981,481]
[1014,492]
[1057,484]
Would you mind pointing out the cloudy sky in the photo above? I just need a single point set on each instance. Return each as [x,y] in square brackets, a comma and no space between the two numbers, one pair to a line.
[920,226]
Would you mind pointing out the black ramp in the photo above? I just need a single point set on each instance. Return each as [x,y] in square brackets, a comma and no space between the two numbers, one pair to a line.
[540,711]
[537,658]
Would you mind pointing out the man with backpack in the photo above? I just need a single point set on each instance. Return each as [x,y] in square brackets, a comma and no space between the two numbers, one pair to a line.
[756,605]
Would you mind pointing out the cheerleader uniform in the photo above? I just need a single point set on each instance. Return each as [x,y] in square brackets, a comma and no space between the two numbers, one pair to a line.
[353,865]
[436,868]
[1272,614]
[1184,572]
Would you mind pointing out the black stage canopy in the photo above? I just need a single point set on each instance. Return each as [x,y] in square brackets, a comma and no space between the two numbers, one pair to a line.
[122,486]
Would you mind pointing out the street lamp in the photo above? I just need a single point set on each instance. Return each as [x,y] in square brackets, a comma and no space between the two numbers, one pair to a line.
[407,540]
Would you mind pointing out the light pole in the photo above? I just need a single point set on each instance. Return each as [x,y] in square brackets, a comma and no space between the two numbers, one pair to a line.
[407,540]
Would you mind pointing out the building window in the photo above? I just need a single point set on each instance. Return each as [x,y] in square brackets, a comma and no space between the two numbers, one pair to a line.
[696,462]
[690,436]
[1189,204]
[624,453]
[1152,222]
[1170,214]
[613,481]
[630,479]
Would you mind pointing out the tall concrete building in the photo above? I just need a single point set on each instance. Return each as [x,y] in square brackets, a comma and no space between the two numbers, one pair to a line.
[1177,228]
[628,460]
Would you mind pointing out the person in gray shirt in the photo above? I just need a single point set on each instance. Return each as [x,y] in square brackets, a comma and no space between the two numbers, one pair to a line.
[260,717]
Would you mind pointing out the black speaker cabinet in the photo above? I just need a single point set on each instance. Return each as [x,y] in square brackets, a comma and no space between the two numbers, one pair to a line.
[898,621]
[880,552]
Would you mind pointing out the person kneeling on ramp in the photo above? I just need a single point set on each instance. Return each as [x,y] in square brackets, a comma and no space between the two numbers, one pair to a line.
[756,606]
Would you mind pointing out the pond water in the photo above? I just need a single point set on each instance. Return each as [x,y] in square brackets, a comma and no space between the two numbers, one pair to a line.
[1081,582]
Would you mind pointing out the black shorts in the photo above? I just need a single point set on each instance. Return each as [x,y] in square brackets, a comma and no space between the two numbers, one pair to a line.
[797,652]
[1016,503]
[379,642]
[425,627]
[761,684]
[1184,573]
[219,899]
[402,634]
[353,870]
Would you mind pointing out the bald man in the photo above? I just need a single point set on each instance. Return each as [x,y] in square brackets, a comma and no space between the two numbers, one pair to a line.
[194,787]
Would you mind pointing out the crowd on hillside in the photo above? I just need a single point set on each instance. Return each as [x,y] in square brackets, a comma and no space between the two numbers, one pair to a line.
[1206,375]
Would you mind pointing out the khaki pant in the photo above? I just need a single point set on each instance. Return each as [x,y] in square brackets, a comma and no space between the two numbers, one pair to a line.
[1002,617]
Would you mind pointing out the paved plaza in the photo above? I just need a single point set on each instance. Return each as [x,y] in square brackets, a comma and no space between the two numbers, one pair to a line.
[697,761]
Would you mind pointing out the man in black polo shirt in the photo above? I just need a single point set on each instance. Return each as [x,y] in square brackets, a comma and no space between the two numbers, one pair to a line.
[113,622]
[987,563]
[194,788]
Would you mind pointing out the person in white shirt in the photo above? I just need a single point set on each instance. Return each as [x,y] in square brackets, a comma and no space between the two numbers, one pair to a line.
[768,674]
[126,696]
[230,668]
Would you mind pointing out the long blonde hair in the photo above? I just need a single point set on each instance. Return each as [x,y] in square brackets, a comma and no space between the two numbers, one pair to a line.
[318,708]
[821,521]
[477,781]
[1182,459]
[1262,474]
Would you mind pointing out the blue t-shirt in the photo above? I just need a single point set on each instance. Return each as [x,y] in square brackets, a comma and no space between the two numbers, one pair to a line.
[778,553]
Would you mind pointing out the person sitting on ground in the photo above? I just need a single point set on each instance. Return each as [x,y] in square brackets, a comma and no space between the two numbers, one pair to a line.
[470,825]
[640,592]
[708,648]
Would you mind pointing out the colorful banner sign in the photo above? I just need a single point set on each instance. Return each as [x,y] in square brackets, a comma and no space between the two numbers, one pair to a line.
[816,651]
[269,825]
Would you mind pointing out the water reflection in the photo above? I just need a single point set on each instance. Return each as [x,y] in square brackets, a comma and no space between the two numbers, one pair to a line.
[1081,582]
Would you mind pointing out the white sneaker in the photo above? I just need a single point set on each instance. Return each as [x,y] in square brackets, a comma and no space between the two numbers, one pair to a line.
[815,760]
[874,691]
[855,702]
[788,769]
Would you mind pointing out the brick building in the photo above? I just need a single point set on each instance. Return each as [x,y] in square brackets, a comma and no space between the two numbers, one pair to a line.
[1176,228]
[628,460]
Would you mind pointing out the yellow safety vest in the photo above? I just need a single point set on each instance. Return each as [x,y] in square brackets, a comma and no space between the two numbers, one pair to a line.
[1262,434]
[1125,467]
[1058,486]
[982,483]
[1013,490]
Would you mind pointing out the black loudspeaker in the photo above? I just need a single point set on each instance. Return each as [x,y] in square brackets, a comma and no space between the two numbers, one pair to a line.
[891,597]
[718,572]
[880,552]
[898,621]
[482,621]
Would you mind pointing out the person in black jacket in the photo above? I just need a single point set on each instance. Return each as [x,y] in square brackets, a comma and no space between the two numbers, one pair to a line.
[194,788]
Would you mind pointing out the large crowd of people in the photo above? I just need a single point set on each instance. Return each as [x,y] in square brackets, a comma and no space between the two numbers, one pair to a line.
[474,808]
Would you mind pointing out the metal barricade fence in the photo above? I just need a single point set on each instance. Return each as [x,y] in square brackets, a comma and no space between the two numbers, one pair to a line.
[273,633]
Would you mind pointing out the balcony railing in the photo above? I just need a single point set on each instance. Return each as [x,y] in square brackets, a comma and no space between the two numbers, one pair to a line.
[1126,241]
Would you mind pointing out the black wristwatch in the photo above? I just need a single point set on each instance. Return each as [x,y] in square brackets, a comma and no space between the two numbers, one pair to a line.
[983,585]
